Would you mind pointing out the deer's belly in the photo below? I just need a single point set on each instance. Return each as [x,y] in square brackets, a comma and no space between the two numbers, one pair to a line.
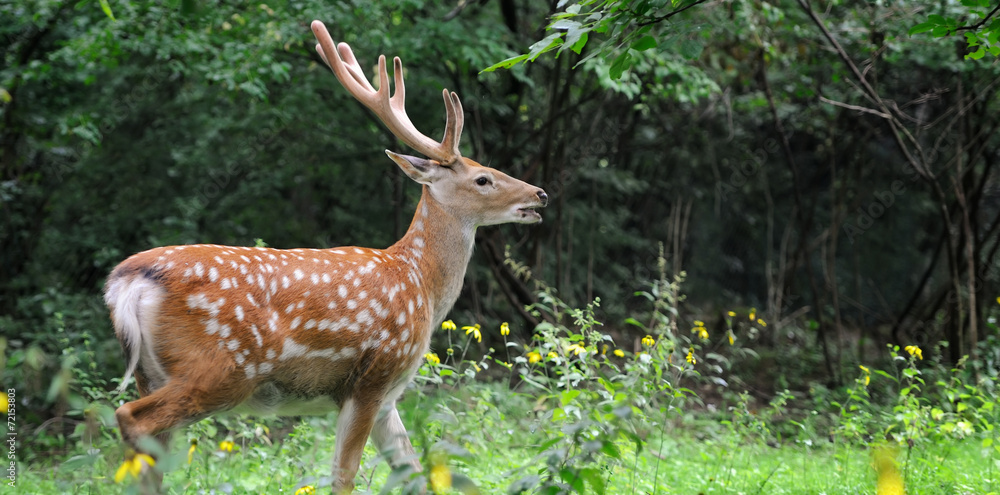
[271,400]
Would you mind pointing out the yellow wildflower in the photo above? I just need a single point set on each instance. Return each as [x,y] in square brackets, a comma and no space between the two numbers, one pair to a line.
[699,323]
[4,403]
[701,331]
[753,314]
[552,355]
[440,477]
[504,329]
[619,353]
[192,449]
[448,325]
[731,314]
[914,351]
[890,482]
[648,341]
[132,467]
[306,490]
[534,357]
[432,358]
[604,349]
[690,356]
[998,300]
[576,349]
[450,351]
[226,446]
[868,374]
[732,337]
[474,330]
[761,322]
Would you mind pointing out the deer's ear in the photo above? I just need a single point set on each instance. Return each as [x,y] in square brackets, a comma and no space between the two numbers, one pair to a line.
[420,170]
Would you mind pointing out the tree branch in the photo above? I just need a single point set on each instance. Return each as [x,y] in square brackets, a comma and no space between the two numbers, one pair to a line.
[668,15]
[979,24]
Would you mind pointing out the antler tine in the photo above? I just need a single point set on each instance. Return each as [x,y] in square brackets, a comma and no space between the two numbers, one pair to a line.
[454,121]
[391,110]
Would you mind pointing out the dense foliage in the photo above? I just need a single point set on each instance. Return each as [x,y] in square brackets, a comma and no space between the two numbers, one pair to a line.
[828,167]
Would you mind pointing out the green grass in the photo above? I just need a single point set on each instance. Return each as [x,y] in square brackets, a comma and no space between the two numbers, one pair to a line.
[495,435]
[568,412]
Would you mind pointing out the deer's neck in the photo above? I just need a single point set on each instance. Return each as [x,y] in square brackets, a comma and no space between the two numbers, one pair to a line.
[440,246]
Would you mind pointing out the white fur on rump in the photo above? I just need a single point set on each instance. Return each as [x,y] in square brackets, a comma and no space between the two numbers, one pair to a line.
[135,302]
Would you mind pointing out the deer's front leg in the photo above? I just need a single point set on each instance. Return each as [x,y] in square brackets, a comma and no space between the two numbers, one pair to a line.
[389,436]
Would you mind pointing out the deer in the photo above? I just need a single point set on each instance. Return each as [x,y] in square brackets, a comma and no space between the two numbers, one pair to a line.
[209,329]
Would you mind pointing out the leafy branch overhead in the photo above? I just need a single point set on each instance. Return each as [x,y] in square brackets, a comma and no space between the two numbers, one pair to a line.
[981,29]
[620,31]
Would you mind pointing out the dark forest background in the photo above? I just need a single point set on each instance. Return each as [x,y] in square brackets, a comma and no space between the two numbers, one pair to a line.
[845,193]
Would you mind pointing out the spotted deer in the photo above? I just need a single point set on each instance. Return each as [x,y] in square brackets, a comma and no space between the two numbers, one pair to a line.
[208,329]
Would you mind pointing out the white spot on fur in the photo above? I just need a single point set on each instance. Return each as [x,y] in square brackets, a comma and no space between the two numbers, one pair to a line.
[256,335]
[295,322]
[239,313]
[364,317]
[298,274]
[285,282]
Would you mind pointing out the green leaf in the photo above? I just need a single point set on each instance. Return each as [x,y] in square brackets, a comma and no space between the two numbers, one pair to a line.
[577,39]
[923,27]
[644,43]
[106,7]
[940,31]
[595,479]
[564,24]
[568,395]
[506,64]
[883,373]
[573,479]
[691,49]
[88,460]
[620,65]
[462,484]
[546,44]
[633,321]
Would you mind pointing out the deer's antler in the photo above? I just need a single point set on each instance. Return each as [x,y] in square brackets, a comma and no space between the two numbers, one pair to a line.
[391,110]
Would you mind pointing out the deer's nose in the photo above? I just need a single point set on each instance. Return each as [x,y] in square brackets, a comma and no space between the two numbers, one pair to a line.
[544,198]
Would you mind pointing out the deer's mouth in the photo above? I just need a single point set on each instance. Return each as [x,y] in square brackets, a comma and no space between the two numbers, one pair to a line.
[529,214]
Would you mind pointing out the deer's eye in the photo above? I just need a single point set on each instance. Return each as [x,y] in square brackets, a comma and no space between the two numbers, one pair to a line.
[482,181]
